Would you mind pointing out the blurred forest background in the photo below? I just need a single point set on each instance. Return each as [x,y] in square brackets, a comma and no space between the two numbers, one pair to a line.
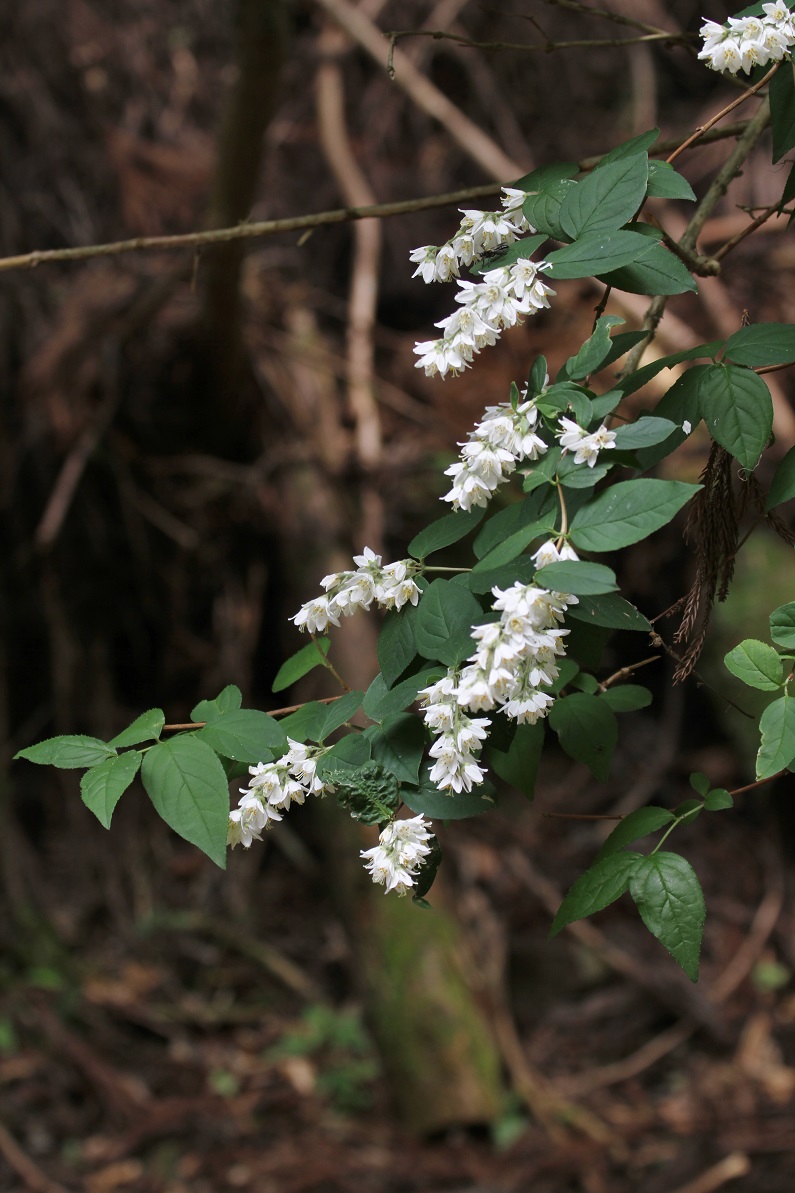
[189,441]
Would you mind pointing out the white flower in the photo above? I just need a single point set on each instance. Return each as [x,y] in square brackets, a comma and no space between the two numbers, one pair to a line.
[460,737]
[586,446]
[391,587]
[686,427]
[749,41]
[502,440]
[395,861]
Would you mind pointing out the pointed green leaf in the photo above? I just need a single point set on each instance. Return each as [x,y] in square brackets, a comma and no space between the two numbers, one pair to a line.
[438,805]
[628,512]
[783,486]
[595,349]
[782,625]
[619,345]
[644,432]
[610,611]
[340,711]
[738,410]
[306,723]
[634,827]
[762,344]
[628,697]
[444,532]
[381,702]
[666,183]
[542,210]
[187,785]
[607,198]
[600,885]
[522,569]
[396,645]
[757,665]
[668,896]
[718,800]
[593,254]
[147,727]
[103,786]
[228,701]
[587,731]
[577,576]
[654,271]
[301,663]
[513,545]
[347,755]
[777,748]
[638,144]
[518,765]
[699,782]
[70,752]
[506,522]
[782,111]
[444,621]
[245,735]
[543,176]
[679,405]
[635,381]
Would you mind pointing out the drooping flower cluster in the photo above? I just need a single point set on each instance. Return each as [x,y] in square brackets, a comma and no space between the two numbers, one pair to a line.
[487,307]
[586,446]
[459,739]
[515,662]
[746,42]
[500,441]
[391,587]
[274,786]
[396,859]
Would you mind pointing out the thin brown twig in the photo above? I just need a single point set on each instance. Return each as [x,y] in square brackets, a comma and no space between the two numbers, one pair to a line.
[396,35]
[272,712]
[740,236]
[623,672]
[750,91]
[617,18]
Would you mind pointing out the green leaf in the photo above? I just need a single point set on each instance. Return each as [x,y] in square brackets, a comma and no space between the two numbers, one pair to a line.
[300,664]
[245,735]
[444,620]
[666,183]
[777,726]
[518,765]
[737,407]
[587,731]
[633,827]
[762,344]
[783,485]
[635,381]
[542,210]
[699,782]
[396,645]
[668,896]
[227,701]
[306,723]
[444,532]
[678,405]
[147,727]
[629,697]
[565,396]
[581,476]
[644,432]
[504,523]
[348,754]
[718,800]
[399,744]
[595,349]
[68,753]
[654,271]
[103,785]
[187,785]
[578,577]
[437,805]
[611,611]
[782,111]
[513,545]
[757,665]
[538,376]
[618,346]
[639,144]
[339,712]
[782,625]
[522,569]
[593,254]
[607,198]
[628,512]
[381,702]
[544,176]
[596,889]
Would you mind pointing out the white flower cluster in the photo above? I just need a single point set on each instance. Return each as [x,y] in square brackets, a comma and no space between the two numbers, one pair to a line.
[459,738]
[480,232]
[487,307]
[504,438]
[746,42]
[399,854]
[391,587]
[273,788]
[515,661]
[586,447]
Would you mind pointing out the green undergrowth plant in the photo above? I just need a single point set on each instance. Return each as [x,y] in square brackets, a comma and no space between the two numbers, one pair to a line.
[481,663]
